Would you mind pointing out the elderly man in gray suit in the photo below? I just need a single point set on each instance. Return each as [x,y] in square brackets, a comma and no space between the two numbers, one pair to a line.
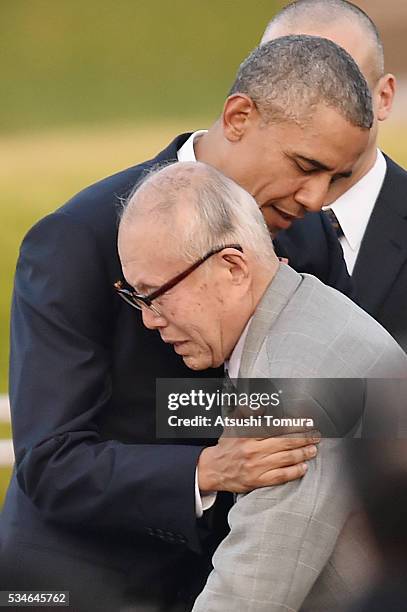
[196,250]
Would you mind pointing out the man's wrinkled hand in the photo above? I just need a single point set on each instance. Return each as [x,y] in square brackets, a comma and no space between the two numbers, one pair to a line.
[240,465]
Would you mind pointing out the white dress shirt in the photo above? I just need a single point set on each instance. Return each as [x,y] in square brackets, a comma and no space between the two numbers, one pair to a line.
[354,207]
[232,366]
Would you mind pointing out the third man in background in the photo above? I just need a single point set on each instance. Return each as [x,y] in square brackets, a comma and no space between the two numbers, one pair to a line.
[370,207]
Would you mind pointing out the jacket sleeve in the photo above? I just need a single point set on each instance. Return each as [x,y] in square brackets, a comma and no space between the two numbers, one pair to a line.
[280,540]
[60,381]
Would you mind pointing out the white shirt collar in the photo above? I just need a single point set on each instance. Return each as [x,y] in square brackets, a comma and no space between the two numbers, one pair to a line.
[186,153]
[354,207]
[232,365]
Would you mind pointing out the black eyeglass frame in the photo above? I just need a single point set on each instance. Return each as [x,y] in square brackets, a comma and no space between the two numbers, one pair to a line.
[138,301]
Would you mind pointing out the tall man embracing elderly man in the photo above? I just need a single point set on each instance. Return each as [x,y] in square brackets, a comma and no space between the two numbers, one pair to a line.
[96,505]
[195,248]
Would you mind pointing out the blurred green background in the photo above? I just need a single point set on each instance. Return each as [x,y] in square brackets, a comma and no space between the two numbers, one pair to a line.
[90,87]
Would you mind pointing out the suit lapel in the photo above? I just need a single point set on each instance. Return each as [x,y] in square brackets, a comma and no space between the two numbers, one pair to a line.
[275,299]
[169,154]
[384,245]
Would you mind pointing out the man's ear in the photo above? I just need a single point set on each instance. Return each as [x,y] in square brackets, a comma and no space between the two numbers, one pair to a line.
[236,266]
[238,112]
[385,92]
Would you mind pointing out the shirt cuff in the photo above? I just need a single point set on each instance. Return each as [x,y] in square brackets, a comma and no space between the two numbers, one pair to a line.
[202,501]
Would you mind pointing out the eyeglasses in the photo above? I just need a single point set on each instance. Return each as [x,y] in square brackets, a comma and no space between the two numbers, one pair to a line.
[145,301]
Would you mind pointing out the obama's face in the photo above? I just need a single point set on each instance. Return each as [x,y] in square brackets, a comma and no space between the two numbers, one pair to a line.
[289,167]
[356,41]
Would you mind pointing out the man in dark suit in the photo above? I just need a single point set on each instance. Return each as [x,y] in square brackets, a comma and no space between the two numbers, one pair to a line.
[97,505]
[371,206]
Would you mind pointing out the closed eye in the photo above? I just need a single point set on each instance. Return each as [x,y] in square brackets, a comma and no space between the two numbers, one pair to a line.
[318,168]
[145,289]
[307,170]
[338,177]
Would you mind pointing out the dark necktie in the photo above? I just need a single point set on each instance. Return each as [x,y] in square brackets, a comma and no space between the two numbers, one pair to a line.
[229,388]
[334,221]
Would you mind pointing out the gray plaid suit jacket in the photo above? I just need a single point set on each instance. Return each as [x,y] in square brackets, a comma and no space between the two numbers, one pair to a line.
[295,546]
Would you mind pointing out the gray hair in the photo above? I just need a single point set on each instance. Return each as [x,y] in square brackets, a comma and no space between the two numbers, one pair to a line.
[220,211]
[326,12]
[289,76]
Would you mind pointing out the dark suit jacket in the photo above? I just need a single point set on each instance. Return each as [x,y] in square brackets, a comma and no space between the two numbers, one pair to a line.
[380,273]
[92,483]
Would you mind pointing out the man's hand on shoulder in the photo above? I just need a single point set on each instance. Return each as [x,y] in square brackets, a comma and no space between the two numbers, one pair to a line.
[240,465]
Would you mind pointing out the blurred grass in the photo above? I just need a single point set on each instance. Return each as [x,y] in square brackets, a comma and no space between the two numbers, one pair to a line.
[393,141]
[101,61]
[5,473]
[5,430]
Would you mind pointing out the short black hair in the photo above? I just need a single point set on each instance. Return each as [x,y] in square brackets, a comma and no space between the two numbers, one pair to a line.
[289,76]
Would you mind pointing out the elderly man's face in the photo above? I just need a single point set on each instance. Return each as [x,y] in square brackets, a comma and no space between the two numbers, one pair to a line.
[202,316]
[289,168]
